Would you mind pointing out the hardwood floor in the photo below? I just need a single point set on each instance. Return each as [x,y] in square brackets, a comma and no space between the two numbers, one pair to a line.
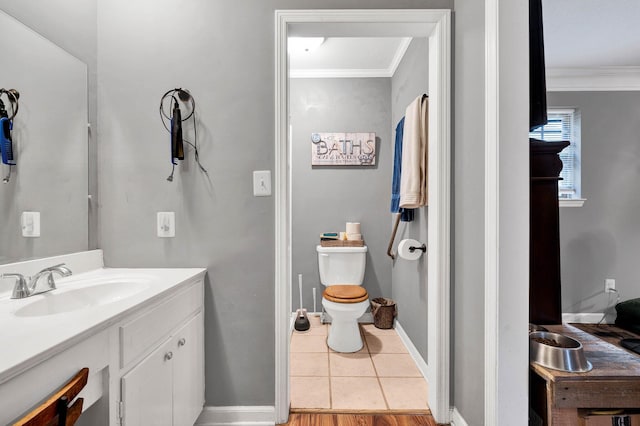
[319,419]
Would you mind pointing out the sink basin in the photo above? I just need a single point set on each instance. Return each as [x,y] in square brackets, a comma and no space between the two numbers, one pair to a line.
[66,300]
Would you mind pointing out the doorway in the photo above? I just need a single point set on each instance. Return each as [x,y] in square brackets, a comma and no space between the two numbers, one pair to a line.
[435,26]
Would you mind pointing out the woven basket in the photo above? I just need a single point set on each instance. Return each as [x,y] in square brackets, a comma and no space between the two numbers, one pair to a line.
[384,312]
[342,243]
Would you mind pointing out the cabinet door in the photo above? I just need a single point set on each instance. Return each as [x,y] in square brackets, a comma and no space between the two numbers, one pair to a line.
[188,372]
[147,392]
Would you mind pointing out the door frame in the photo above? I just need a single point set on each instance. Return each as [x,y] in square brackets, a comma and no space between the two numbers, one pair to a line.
[438,227]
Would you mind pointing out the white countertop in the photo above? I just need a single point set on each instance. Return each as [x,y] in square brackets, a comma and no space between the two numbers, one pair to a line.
[27,341]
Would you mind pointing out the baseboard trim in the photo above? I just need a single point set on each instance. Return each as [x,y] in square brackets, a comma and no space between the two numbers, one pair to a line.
[457,419]
[366,318]
[237,416]
[583,317]
[413,351]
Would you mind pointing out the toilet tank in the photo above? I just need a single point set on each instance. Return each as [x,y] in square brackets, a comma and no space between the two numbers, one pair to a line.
[341,265]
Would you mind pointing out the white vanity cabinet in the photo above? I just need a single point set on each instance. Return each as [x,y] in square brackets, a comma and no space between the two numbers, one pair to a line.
[144,350]
[188,372]
[166,387]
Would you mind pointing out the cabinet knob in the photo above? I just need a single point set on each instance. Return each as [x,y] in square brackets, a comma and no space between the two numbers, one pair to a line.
[168,356]
[182,342]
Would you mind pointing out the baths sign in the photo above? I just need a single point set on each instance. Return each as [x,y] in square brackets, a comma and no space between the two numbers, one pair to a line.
[343,149]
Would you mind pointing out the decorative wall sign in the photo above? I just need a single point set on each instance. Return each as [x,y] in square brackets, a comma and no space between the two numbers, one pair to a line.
[343,149]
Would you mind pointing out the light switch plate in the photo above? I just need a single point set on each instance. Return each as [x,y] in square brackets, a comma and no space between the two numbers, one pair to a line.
[262,183]
[166,224]
[30,223]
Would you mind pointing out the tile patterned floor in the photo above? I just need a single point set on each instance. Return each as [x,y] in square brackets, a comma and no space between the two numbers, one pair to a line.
[380,377]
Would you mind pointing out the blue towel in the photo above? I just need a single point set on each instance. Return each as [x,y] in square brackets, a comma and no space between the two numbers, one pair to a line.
[406,215]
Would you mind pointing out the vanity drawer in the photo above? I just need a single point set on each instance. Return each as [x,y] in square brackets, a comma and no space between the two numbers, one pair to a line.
[143,333]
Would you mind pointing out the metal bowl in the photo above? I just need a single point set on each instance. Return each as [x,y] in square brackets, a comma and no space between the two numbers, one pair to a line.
[535,327]
[567,356]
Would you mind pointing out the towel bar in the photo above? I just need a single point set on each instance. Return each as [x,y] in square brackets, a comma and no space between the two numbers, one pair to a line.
[393,237]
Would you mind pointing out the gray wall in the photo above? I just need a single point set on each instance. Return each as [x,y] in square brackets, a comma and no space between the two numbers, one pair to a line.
[602,238]
[324,198]
[467,290]
[223,52]
[220,224]
[411,80]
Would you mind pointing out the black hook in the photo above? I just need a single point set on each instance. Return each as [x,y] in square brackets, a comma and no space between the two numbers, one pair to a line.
[422,248]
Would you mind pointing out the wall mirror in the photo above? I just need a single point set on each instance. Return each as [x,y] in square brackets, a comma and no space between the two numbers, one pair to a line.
[50,139]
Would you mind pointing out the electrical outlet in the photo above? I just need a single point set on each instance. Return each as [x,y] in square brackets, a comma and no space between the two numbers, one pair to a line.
[609,285]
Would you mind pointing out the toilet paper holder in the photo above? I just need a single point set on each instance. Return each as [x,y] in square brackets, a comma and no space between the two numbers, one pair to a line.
[422,248]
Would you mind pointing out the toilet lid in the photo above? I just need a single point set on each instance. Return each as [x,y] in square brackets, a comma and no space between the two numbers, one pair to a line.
[345,294]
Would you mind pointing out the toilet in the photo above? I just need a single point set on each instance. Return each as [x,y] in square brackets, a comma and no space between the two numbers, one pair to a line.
[344,299]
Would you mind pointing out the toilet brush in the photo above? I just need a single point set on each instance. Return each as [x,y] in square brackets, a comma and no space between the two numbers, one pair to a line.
[302,322]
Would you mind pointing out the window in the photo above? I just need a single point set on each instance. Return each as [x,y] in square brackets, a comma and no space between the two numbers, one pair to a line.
[564,125]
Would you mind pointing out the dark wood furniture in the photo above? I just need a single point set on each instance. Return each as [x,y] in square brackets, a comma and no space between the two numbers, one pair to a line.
[614,382]
[55,411]
[544,228]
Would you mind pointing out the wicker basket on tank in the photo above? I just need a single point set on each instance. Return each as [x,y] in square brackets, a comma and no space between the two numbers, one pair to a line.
[342,243]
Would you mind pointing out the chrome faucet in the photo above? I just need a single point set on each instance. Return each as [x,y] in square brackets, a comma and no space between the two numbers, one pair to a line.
[22,289]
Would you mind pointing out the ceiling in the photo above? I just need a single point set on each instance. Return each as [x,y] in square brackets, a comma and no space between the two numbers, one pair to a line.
[591,33]
[589,45]
[350,57]
[362,49]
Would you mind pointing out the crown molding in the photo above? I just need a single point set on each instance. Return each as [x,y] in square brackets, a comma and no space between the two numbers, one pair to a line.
[339,73]
[397,58]
[357,72]
[593,79]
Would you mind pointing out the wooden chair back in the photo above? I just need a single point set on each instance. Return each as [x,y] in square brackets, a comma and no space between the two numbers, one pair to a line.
[56,411]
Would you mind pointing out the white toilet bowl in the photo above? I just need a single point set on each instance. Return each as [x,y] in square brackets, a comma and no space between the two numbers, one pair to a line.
[345,304]
[344,334]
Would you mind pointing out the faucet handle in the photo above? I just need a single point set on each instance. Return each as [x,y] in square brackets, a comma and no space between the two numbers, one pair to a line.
[62,268]
[20,290]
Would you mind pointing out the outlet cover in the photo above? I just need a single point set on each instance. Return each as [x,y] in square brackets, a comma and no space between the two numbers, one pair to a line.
[262,183]
[166,224]
[30,223]
[609,285]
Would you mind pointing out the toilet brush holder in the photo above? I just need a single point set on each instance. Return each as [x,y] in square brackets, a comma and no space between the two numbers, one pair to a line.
[302,321]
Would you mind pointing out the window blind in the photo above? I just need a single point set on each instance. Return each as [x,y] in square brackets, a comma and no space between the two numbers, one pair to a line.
[560,128]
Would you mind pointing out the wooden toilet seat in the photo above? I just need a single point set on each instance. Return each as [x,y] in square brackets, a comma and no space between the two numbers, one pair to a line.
[345,293]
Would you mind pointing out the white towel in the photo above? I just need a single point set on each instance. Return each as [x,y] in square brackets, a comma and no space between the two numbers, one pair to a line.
[415,154]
